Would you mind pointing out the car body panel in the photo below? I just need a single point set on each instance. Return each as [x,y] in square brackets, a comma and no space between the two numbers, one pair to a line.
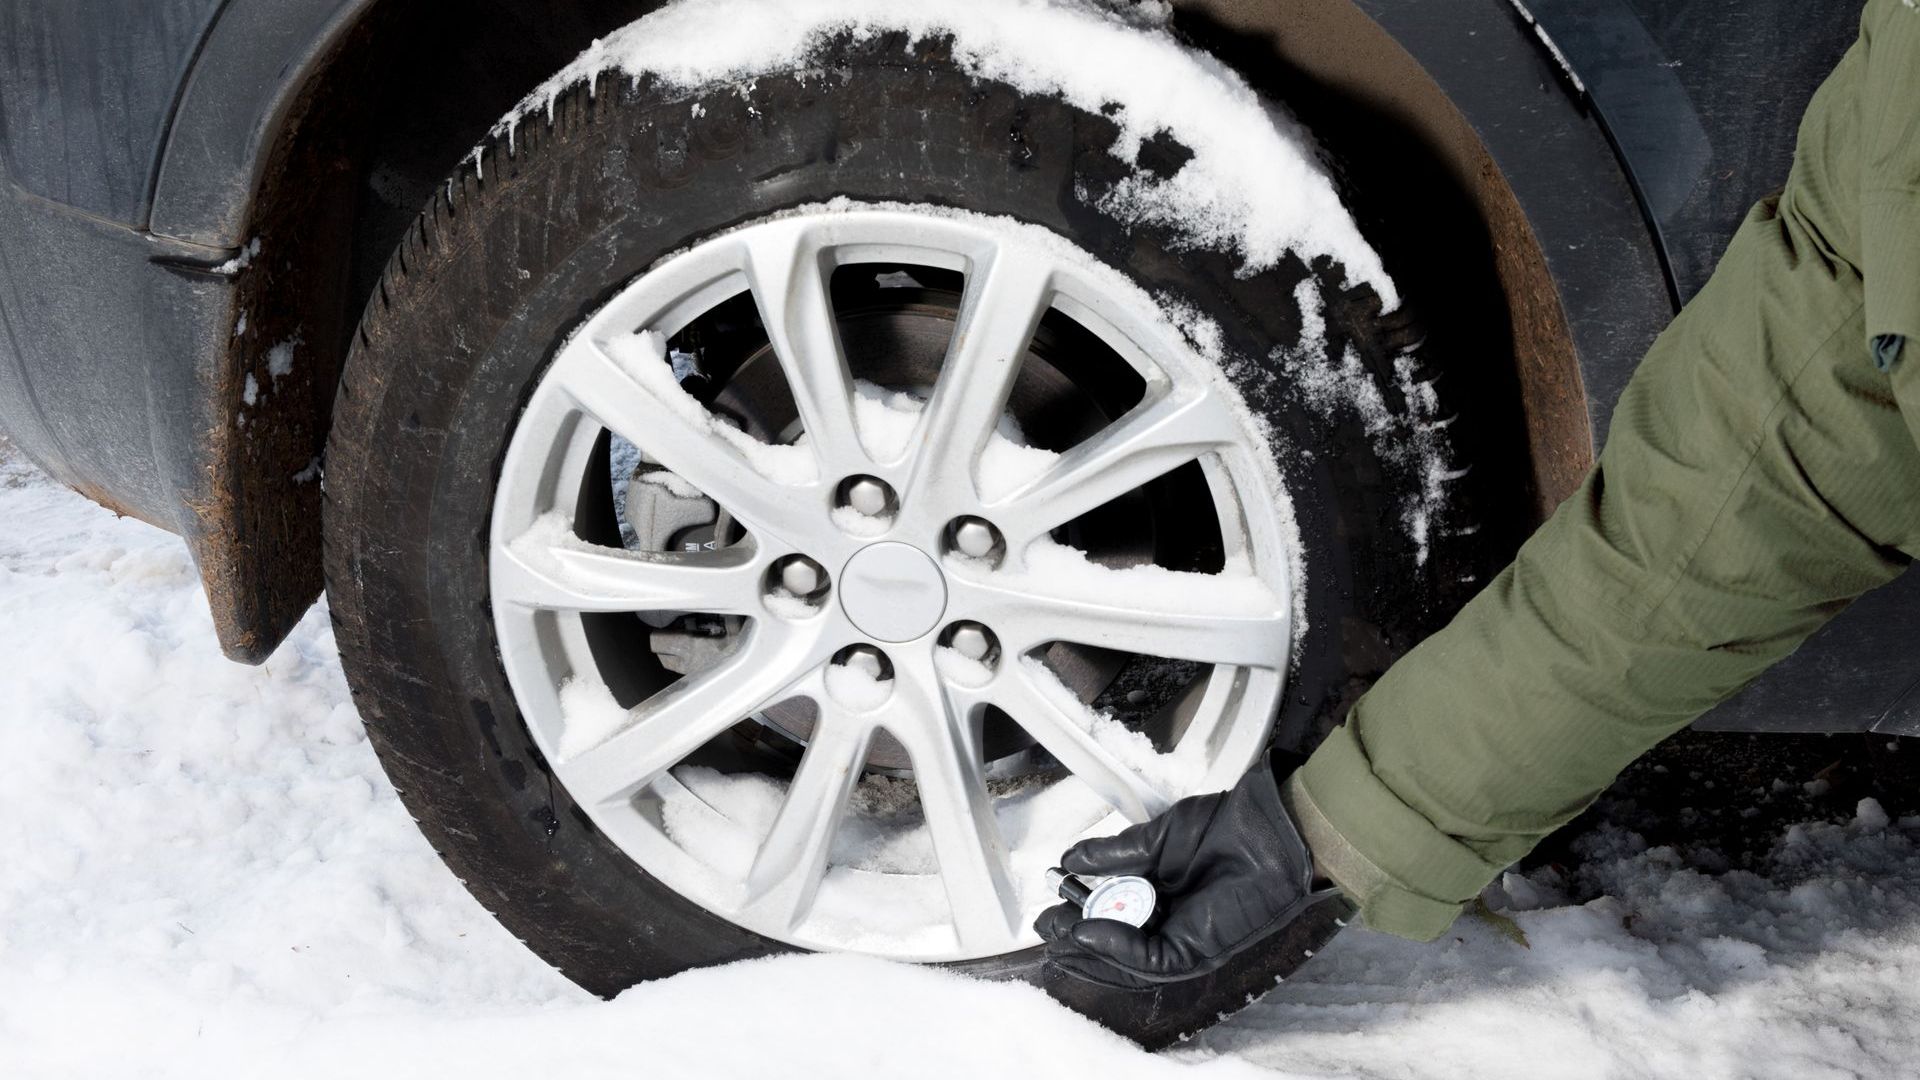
[232,109]
[87,89]
[1629,165]
[1703,99]
[98,345]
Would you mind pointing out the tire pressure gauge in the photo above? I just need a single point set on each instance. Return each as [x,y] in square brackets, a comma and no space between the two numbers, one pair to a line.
[1123,899]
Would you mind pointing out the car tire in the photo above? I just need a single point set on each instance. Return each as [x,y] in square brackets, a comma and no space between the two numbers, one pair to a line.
[546,222]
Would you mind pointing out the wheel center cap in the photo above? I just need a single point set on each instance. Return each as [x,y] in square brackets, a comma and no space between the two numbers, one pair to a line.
[893,591]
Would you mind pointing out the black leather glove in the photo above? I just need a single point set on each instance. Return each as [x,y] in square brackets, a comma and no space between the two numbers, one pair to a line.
[1237,909]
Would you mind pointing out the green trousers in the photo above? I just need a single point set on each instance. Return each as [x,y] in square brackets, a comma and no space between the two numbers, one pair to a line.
[1762,472]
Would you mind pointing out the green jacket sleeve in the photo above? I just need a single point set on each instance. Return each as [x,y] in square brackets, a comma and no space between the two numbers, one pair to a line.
[1890,169]
[1760,474]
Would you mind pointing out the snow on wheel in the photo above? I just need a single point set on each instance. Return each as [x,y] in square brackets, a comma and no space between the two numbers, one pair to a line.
[785,505]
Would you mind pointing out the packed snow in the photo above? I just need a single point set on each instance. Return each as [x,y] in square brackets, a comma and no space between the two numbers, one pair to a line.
[280,359]
[643,357]
[857,689]
[1254,186]
[206,874]
[593,715]
[240,261]
[1810,971]
[1068,573]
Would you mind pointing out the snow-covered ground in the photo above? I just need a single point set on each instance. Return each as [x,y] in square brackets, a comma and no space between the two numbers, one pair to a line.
[203,873]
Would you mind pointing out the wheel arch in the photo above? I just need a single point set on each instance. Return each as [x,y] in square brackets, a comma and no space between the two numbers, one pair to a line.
[319,128]
[308,138]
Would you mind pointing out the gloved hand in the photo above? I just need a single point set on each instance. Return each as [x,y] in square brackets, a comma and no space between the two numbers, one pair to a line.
[1237,908]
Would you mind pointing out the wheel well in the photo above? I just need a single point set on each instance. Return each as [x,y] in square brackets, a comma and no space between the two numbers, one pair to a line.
[382,118]
[388,114]
[1431,199]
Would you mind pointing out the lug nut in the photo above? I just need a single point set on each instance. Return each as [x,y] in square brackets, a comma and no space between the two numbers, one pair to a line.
[974,537]
[867,495]
[973,641]
[801,576]
[867,660]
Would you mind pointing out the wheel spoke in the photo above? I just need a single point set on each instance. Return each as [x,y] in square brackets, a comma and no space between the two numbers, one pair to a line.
[1155,438]
[943,740]
[661,731]
[1206,618]
[1061,727]
[792,860]
[1004,301]
[789,278]
[1218,698]
[572,575]
[638,400]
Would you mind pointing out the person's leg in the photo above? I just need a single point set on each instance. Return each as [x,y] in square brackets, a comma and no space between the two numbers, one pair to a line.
[1759,476]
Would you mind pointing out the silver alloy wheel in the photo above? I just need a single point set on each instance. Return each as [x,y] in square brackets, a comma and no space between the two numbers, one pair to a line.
[928,636]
